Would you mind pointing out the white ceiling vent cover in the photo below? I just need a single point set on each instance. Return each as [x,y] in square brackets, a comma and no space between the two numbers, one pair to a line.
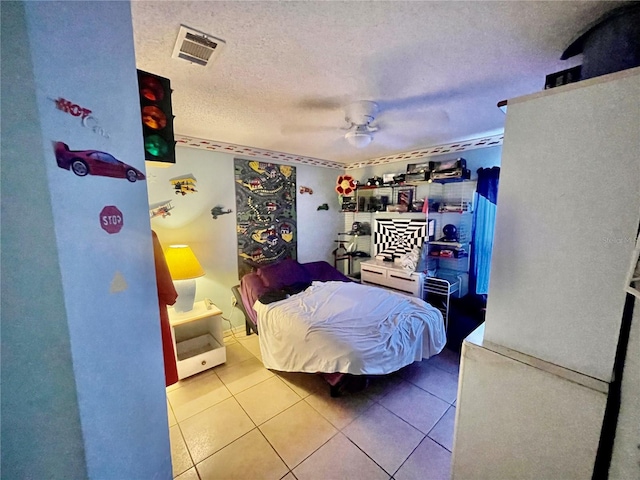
[197,47]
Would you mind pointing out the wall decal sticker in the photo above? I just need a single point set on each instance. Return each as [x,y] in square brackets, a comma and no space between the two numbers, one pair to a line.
[184,184]
[87,120]
[94,162]
[118,284]
[111,219]
[71,108]
[345,185]
[266,213]
[306,190]
[324,206]
[219,210]
[160,209]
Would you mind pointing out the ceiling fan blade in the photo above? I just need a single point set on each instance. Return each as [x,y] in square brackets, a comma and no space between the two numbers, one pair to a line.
[307,129]
[317,103]
[394,141]
[413,120]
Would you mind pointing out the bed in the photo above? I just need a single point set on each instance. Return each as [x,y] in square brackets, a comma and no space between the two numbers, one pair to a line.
[311,318]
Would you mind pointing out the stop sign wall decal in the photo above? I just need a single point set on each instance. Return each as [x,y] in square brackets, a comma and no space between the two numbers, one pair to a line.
[111,219]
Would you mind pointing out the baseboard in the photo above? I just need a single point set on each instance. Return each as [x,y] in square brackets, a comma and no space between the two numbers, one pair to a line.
[233,331]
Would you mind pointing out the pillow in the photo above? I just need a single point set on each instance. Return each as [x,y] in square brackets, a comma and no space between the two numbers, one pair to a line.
[284,273]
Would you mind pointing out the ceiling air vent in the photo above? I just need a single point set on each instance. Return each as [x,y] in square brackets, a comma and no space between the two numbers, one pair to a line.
[197,47]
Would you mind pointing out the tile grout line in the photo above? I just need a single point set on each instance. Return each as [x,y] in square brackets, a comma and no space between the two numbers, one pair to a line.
[408,456]
[186,446]
[370,458]
[374,401]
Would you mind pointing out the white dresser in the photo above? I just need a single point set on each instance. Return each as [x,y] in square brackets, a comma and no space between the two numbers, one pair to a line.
[392,275]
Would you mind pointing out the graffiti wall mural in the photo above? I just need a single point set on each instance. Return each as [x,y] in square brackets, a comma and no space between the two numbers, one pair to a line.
[266,213]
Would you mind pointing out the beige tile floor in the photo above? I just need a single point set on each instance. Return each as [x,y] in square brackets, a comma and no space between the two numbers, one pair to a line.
[242,421]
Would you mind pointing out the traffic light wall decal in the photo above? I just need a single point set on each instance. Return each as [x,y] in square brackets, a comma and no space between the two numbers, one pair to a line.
[157,118]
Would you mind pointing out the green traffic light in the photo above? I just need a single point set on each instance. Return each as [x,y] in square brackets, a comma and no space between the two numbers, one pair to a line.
[156,146]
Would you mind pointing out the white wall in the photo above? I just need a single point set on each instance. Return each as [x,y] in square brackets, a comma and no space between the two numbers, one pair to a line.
[41,432]
[214,242]
[83,52]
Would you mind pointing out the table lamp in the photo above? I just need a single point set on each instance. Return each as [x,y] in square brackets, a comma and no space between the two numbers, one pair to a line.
[184,269]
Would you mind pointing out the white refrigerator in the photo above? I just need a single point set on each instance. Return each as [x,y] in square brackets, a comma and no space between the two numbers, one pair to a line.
[535,378]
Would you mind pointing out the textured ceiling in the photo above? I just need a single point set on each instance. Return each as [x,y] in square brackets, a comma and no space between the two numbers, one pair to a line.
[436,69]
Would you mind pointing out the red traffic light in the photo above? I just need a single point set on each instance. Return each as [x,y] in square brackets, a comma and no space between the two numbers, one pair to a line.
[150,88]
[157,117]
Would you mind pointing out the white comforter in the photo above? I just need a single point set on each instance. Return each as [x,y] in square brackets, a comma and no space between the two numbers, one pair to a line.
[347,328]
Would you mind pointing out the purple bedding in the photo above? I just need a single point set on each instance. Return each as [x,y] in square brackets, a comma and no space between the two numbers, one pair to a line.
[287,272]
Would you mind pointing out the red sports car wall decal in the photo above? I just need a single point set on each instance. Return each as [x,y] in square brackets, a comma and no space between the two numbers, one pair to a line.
[94,162]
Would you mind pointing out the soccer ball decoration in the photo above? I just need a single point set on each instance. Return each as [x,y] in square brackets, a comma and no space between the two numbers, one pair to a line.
[346,185]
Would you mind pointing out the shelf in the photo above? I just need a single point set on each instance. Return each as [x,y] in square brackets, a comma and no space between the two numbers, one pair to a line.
[442,243]
[198,312]
[390,185]
[376,198]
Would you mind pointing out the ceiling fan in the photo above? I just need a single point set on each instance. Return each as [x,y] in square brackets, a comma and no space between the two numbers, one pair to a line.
[360,116]
[401,118]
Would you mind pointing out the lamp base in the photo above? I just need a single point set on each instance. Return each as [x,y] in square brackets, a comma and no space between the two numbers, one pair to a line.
[186,295]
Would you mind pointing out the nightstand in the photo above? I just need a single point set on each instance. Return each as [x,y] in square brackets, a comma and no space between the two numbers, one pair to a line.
[197,339]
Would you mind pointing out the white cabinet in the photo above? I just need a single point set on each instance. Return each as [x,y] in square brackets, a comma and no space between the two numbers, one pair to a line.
[567,219]
[519,417]
[391,275]
[197,338]
[535,387]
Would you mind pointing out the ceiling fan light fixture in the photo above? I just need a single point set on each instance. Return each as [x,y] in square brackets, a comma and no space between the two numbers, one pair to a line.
[358,139]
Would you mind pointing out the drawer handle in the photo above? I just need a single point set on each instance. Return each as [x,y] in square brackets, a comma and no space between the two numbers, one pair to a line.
[371,271]
[402,278]
[204,362]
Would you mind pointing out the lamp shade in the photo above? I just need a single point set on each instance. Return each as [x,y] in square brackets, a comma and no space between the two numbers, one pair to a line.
[183,264]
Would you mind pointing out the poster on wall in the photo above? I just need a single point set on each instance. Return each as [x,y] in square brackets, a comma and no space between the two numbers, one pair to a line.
[266,213]
[395,237]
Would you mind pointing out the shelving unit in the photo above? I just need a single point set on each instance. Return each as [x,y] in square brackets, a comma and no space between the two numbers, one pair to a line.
[452,204]
[383,198]
[447,203]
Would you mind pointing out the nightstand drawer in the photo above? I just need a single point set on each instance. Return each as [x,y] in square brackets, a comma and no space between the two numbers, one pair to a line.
[198,339]
[198,354]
